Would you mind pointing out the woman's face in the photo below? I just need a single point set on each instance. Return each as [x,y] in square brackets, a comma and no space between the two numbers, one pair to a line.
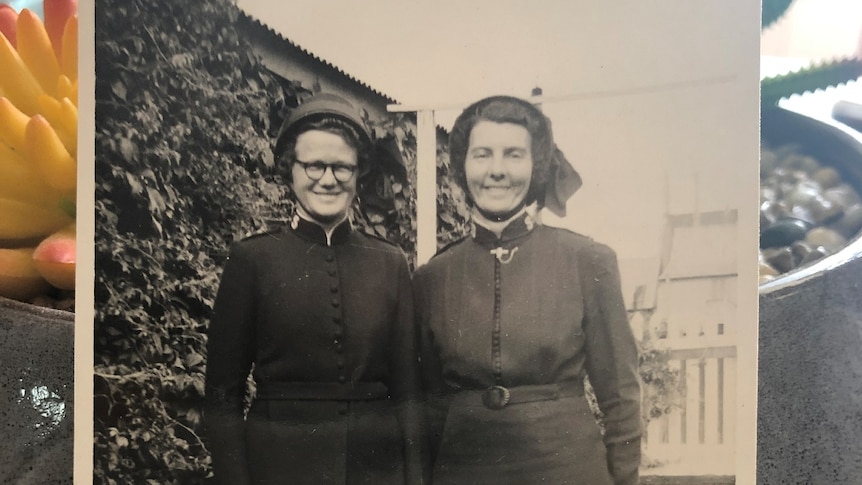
[498,166]
[328,198]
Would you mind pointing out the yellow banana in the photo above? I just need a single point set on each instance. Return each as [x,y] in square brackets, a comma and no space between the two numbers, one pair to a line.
[69,54]
[14,124]
[69,126]
[46,151]
[20,181]
[22,220]
[35,50]
[57,116]
[19,278]
[69,123]
[17,81]
[66,88]
[69,112]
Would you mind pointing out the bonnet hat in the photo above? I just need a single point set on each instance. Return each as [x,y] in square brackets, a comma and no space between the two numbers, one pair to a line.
[557,184]
[319,106]
[562,182]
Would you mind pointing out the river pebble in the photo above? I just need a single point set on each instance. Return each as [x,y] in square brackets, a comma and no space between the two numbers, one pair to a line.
[807,211]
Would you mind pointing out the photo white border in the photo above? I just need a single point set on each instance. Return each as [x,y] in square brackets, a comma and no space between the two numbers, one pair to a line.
[83,417]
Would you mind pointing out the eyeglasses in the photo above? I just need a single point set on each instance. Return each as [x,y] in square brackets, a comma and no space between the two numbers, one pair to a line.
[316,170]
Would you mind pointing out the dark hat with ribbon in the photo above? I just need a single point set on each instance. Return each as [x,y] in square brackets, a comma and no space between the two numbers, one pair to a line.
[562,183]
[554,179]
[320,106]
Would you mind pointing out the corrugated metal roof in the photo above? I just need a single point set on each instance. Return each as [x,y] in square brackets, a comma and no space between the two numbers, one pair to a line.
[310,54]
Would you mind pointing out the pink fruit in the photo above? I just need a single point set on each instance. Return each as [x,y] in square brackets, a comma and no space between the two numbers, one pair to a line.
[19,278]
[56,13]
[55,258]
[8,23]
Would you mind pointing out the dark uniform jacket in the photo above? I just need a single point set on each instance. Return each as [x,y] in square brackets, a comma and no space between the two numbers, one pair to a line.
[327,325]
[534,312]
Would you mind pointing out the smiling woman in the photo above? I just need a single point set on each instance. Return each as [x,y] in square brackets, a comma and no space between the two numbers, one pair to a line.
[323,175]
[545,301]
[323,315]
[498,167]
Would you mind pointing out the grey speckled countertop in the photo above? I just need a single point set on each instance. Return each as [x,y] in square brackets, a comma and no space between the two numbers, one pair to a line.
[810,381]
[36,394]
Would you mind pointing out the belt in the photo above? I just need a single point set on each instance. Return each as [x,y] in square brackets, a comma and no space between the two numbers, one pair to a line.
[323,391]
[498,397]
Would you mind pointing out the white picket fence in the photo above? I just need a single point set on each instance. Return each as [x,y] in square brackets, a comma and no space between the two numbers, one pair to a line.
[698,436]
[691,311]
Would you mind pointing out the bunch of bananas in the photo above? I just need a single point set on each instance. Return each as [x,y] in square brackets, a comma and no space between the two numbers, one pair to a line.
[38,148]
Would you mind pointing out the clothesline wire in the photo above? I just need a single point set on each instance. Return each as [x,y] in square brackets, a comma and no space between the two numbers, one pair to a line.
[609,93]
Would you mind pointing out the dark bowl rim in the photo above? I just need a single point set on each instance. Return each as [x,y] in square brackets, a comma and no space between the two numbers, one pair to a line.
[853,249]
[24,307]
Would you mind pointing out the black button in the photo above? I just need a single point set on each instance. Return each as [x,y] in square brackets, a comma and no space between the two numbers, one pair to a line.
[335,303]
[336,320]
[342,379]
[330,258]
[340,364]
[334,289]
[338,334]
[332,272]
[339,348]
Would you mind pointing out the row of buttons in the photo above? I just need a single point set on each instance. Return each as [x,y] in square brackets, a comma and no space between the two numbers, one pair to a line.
[336,318]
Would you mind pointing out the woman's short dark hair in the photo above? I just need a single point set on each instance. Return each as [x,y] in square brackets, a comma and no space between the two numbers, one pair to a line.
[504,109]
[330,124]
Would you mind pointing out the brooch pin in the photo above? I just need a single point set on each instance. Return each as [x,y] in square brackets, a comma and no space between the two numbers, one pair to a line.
[504,256]
[294,223]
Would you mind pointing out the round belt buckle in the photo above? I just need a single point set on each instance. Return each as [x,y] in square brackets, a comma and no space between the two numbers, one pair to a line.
[496,397]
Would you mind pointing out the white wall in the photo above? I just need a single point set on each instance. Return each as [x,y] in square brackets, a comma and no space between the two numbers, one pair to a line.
[815,29]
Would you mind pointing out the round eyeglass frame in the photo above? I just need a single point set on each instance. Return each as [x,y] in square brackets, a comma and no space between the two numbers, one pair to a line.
[316,170]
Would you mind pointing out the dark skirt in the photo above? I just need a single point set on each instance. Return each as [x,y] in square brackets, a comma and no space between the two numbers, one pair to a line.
[324,442]
[556,441]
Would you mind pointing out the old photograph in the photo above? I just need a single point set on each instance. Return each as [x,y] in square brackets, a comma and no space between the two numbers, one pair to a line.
[439,242]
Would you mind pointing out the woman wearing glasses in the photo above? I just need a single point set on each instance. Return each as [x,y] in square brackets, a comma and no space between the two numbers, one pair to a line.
[323,316]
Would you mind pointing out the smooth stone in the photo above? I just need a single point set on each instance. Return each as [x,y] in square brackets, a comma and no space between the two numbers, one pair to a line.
[768,162]
[781,259]
[803,192]
[803,213]
[850,223]
[815,254]
[831,240]
[804,163]
[765,278]
[784,175]
[827,177]
[767,270]
[800,250]
[824,211]
[843,195]
[783,233]
[809,164]
[774,211]
[765,219]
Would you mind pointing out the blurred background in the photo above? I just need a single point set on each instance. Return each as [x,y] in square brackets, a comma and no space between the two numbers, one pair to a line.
[812,31]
